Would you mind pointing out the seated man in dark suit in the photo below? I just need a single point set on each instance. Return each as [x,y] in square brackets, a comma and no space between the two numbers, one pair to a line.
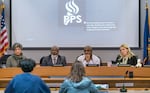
[54,58]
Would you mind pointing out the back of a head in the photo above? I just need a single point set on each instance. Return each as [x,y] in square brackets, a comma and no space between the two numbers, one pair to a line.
[27,65]
[77,72]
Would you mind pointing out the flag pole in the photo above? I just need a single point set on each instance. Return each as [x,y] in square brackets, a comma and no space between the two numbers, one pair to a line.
[146,35]
[146,4]
[2,6]
[146,58]
[4,43]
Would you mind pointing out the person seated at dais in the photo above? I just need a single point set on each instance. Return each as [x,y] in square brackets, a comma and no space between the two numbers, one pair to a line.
[126,56]
[88,57]
[54,58]
[15,59]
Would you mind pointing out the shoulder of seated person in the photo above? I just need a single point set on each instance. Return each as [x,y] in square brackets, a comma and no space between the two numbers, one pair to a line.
[46,57]
[118,55]
[134,56]
[81,56]
[10,57]
[62,56]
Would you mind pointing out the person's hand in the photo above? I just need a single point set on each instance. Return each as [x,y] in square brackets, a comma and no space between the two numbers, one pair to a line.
[87,57]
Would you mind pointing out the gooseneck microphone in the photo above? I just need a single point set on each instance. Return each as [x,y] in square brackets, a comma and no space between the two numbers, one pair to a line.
[123,89]
[126,73]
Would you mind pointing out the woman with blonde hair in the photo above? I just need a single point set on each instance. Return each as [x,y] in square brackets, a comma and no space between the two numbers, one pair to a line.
[126,56]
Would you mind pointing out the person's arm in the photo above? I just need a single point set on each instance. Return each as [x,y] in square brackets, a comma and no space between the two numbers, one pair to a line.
[96,60]
[44,62]
[64,61]
[63,87]
[133,60]
[78,58]
[8,62]
[9,88]
[118,60]
[93,89]
[44,88]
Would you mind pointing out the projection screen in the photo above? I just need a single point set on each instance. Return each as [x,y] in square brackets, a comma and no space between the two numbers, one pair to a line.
[75,23]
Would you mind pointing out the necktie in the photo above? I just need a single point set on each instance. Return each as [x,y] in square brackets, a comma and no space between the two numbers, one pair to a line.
[54,60]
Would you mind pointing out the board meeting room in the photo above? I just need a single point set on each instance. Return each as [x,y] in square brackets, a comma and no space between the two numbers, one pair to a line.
[68,46]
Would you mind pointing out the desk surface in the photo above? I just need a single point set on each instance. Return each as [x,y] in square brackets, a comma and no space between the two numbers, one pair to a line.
[103,91]
[99,75]
[90,71]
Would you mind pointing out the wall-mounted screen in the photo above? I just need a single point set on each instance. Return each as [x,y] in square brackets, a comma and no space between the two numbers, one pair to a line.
[75,23]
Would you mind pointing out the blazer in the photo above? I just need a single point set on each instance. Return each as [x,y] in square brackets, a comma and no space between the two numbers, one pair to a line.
[47,61]
[131,61]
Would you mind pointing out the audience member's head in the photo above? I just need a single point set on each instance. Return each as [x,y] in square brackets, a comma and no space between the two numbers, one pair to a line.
[17,47]
[77,71]
[54,50]
[77,81]
[27,82]
[27,65]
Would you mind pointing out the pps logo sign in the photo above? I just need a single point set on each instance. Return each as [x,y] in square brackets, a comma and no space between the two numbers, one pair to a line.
[72,13]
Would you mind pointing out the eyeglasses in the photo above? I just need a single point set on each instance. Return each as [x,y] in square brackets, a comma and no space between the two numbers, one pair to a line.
[87,50]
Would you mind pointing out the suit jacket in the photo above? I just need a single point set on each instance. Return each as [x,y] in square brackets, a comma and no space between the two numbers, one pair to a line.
[47,61]
[131,61]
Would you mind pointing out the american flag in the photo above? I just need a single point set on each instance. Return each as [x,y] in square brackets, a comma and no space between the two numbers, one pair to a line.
[3,34]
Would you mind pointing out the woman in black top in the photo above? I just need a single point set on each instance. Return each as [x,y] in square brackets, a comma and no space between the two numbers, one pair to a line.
[126,56]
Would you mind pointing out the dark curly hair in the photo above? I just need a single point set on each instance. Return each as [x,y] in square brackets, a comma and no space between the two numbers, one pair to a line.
[27,65]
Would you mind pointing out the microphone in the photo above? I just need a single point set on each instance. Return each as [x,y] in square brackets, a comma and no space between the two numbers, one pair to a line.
[126,72]
[123,89]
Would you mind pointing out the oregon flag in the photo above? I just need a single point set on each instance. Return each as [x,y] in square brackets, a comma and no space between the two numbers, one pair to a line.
[146,37]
